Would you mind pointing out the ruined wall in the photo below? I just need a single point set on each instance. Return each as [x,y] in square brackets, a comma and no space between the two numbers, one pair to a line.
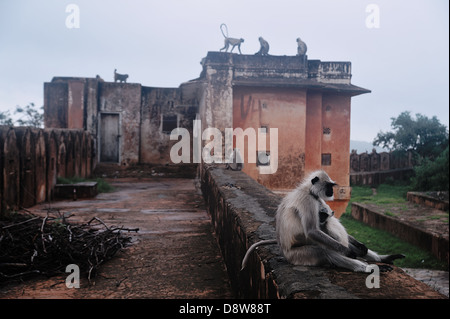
[162,110]
[56,104]
[123,100]
[32,159]
[216,104]
[129,124]
[68,101]
[376,168]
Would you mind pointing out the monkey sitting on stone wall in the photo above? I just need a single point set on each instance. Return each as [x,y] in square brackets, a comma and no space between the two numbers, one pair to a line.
[264,50]
[309,235]
[301,47]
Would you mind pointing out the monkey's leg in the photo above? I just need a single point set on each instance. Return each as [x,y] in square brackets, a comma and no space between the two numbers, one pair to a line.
[225,47]
[311,255]
[388,259]
[336,259]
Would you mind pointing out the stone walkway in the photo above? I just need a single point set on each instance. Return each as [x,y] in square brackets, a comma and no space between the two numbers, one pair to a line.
[174,254]
[436,279]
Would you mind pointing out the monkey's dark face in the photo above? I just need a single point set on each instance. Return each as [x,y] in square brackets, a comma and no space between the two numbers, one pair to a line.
[329,189]
[324,214]
[322,188]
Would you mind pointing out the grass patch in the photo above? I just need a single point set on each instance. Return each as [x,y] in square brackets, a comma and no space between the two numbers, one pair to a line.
[381,241]
[102,185]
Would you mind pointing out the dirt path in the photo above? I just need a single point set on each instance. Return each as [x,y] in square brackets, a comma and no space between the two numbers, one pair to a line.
[174,254]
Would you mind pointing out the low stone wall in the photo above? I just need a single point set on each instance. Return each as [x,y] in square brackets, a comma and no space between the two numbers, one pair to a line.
[380,177]
[435,243]
[243,212]
[424,199]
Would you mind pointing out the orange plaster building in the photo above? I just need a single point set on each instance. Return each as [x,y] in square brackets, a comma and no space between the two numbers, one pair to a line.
[308,101]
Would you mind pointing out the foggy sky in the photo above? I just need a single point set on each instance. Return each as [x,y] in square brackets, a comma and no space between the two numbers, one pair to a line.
[161,43]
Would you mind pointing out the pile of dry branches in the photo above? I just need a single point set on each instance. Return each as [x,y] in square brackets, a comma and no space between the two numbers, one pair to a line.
[31,244]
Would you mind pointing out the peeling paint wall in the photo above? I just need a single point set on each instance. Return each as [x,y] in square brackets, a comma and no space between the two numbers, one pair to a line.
[123,99]
[285,110]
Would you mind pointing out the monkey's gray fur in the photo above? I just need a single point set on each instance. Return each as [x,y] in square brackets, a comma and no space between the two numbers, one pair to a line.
[309,235]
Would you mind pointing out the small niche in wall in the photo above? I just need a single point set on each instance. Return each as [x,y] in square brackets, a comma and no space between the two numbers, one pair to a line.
[263,158]
[264,129]
[169,122]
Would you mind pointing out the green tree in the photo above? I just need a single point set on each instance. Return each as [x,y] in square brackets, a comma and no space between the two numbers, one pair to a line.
[424,136]
[31,115]
[432,175]
[5,119]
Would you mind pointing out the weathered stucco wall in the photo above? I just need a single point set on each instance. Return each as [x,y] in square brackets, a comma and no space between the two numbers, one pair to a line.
[280,108]
[56,104]
[123,99]
[134,117]
[160,105]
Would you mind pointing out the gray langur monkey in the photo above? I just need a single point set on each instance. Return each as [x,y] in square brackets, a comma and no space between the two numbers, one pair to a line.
[230,41]
[264,49]
[301,47]
[309,235]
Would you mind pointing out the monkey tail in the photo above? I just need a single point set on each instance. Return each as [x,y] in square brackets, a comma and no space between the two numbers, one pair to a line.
[252,248]
[221,29]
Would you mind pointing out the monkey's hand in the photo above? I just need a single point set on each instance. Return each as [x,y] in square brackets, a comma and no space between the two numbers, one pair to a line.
[359,249]
[362,249]
[351,254]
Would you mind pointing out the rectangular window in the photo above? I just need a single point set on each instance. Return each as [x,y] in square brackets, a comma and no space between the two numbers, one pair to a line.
[326,159]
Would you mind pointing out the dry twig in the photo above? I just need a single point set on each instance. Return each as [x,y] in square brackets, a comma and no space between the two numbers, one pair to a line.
[36,245]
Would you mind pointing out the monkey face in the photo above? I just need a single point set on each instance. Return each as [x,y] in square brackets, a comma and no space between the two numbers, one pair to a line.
[329,189]
[322,186]
[325,212]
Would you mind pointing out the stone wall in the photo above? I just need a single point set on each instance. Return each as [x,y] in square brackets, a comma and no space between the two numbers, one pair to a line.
[162,110]
[32,159]
[416,234]
[243,212]
[376,168]
[145,116]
